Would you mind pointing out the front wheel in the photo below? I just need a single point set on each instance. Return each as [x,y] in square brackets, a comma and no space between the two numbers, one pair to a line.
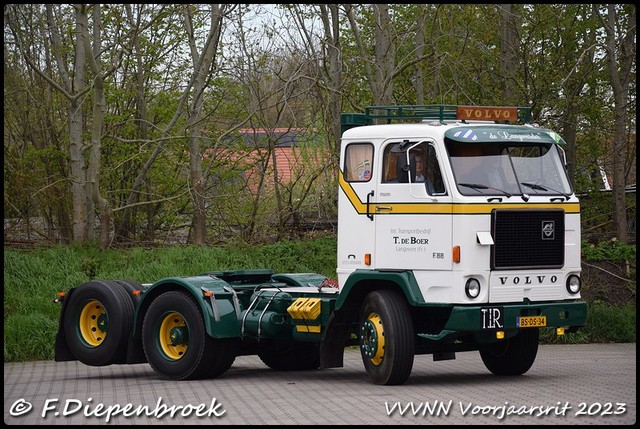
[176,343]
[513,356]
[386,337]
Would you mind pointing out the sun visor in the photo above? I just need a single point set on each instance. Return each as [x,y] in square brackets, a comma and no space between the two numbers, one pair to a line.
[514,134]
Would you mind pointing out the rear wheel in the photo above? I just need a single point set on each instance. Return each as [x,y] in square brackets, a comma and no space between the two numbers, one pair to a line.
[513,356]
[176,343]
[386,337]
[97,323]
[130,286]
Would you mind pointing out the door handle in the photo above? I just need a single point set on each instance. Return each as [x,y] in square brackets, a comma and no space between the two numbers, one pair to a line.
[369,215]
[378,208]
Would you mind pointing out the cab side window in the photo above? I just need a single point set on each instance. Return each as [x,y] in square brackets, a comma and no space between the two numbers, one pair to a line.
[358,162]
[390,164]
[395,168]
[404,160]
[435,182]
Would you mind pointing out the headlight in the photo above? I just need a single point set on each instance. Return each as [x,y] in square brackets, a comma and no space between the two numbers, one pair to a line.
[472,288]
[573,284]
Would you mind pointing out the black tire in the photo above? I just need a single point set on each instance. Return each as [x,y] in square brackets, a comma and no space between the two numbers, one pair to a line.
[196,355]
[513,356]
[130,286]
[97,322]
[386,337]
[291,356]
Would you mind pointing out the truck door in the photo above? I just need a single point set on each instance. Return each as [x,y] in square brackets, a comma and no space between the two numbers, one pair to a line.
[355,216]
[412,209]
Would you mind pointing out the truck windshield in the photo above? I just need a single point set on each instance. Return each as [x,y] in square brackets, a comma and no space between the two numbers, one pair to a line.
[508,169]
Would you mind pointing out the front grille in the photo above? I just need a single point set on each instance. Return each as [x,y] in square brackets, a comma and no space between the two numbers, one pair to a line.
[527,239]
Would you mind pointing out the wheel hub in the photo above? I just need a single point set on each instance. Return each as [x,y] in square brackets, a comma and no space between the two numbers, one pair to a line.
[173,336]
[178,335]
[372,338]
[93,324]
[103,322]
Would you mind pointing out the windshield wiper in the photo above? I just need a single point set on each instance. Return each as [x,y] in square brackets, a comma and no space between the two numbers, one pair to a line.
[477,186]
[537,187]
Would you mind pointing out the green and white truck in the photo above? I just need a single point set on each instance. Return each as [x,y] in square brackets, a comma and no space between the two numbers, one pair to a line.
[458,230]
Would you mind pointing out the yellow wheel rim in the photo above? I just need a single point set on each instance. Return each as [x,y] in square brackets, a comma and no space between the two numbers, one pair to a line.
[173,336]
[372,338]
[93,323]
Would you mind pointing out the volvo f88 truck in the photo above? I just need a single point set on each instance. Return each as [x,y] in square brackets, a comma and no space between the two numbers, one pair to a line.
[458,231]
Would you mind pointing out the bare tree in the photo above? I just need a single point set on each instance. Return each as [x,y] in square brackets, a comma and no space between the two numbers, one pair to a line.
[160,142]
[396,47]
[573,85]
[203,64]
[133,20]
[379,71]
[93,170]
[509,40]
[146,50]
[73,88]
[621,53]
[420,46]
[331,57]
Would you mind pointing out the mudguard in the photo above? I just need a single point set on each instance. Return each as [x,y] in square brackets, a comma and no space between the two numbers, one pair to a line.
[217,301]
[62,352]
[361,282]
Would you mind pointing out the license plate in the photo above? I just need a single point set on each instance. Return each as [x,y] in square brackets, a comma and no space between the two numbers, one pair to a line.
[531,321]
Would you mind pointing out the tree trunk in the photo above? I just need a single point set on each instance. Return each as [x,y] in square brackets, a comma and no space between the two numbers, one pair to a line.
[509,41]
[420,29]
[620,66]
[330,18]
[78,173]
[385,58]
[570,135]
[124,229]
[93,171]
[202,66]
[276,188]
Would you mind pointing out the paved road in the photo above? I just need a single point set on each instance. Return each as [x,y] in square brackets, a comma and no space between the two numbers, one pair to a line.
[568,384]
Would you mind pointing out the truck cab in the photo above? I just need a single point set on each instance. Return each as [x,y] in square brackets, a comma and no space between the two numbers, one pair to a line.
[492,204]
[473,206]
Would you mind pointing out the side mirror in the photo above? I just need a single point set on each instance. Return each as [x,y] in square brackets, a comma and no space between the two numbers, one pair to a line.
[563,156]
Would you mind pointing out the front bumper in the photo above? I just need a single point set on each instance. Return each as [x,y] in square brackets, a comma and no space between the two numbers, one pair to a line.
[505,317]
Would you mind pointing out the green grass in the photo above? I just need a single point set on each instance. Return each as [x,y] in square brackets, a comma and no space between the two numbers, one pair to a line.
[605,324]
[33,278]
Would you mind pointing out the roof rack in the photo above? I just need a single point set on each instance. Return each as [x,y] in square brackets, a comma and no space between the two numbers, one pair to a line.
[439,112]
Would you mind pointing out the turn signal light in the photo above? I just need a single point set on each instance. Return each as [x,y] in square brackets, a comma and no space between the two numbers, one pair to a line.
[456,254]
[367,258]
